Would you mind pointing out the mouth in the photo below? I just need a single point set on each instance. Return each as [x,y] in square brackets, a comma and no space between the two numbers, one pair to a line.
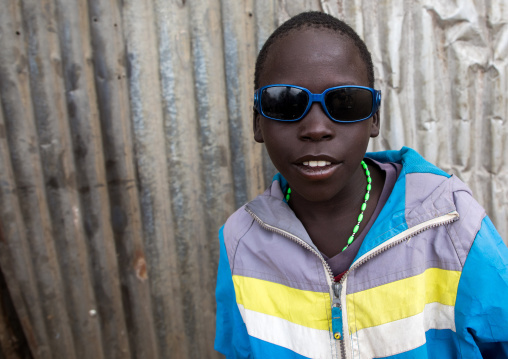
[316,167]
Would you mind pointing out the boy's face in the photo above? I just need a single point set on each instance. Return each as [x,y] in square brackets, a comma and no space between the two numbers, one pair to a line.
[316,59]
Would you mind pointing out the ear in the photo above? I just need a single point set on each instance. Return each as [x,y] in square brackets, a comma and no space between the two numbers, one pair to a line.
[374,130]
[256,122]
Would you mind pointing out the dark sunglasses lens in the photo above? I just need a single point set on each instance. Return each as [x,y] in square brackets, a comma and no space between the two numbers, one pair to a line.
[284,102]
[349,104]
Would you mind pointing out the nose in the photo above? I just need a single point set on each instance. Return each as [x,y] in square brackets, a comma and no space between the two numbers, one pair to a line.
[316,126]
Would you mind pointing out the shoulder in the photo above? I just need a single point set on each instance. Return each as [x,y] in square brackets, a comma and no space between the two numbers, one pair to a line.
[426,187]
[429,192]
[465,230]
[238,225]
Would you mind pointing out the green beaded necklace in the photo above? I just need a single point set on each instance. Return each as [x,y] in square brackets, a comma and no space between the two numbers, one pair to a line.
[364,204]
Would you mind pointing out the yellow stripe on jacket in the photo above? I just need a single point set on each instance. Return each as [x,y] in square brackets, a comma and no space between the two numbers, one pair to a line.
[401,299]
[303,307]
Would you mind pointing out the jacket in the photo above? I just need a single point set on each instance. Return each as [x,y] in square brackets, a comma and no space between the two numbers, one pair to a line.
[430,279]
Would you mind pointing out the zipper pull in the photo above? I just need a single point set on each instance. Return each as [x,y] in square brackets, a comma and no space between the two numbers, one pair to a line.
[337,311]
[337,323]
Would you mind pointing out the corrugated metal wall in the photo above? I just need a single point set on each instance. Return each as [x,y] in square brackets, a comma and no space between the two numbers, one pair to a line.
[126,141]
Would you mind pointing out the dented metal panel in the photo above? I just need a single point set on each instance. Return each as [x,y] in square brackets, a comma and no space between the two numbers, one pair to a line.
[126,141]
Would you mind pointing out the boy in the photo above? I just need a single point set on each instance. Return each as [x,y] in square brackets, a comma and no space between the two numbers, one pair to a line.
[348,254]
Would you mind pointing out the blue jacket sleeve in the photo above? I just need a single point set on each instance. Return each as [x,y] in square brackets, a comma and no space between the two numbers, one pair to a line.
[231,337]
[481,309]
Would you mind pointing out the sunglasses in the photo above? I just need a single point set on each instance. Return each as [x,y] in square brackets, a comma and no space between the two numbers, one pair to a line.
[341,103]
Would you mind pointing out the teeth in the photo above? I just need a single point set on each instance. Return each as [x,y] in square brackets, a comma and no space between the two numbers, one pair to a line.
[317,163]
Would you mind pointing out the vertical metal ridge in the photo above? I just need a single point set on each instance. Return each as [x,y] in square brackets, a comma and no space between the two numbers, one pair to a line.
[94,209]
[15,263]
[59,176]
[238,25]
[29,188]
[214,168]
[266,21]
[150,159]
[110,78]
[184,166]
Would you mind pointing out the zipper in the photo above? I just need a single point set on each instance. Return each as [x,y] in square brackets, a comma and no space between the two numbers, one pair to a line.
[403,236]
[294,239]
[337,328]
[336,287]
[396,240]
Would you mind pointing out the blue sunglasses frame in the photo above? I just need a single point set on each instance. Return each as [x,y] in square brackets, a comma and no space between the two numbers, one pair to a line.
[313,97]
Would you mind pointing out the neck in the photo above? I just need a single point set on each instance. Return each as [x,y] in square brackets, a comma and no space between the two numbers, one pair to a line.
[334,224]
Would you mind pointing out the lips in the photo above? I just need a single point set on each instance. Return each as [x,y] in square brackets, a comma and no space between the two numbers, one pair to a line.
[315,168]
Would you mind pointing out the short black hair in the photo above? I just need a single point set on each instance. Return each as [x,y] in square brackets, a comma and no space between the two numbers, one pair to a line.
[317,20]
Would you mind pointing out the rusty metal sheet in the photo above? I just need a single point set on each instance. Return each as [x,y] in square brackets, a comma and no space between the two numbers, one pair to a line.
[93,208]
[29,260]
[110,65]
